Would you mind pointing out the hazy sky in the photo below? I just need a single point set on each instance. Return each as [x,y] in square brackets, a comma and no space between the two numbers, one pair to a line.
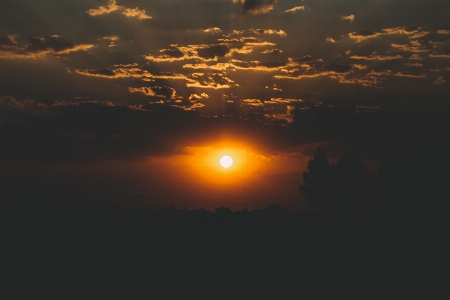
[117,98]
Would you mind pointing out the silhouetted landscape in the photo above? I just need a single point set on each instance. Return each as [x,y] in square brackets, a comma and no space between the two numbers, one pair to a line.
[390,240]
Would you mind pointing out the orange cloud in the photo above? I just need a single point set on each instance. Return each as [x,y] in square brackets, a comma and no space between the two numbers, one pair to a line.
[136,12]
[375,56]
[296,8]
[39,47]
[412,32]
[414,46]
[110,7]
[272,51]
[156,91]
[212,30]
[209,81]
[440,55]
[410,75]
[440,80]
[350,18]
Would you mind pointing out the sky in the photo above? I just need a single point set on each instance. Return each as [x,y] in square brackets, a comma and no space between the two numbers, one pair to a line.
[109,99]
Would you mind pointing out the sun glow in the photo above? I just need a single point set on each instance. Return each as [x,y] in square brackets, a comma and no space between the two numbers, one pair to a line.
[226,161]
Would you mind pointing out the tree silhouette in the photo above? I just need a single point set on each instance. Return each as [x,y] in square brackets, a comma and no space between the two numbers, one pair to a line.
[318,180]
[353,182]
[345,183]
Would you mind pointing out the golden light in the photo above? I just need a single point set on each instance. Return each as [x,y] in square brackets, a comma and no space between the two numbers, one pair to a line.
[226,161]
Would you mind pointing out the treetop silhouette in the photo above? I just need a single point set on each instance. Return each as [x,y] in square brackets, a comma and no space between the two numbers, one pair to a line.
[345,183]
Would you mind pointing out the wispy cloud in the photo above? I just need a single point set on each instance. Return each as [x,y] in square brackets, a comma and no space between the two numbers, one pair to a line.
[410,74]
[136,12]
[296,8]
[140,14]
[256,7]
[412,32]
[110,7]
[156,91]
[440,80]
[210,81]
[376,56]
[212,30]
[440,55]
[350,18]
[38,47]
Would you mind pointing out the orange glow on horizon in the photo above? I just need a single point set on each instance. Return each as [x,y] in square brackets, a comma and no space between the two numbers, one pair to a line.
[207,163]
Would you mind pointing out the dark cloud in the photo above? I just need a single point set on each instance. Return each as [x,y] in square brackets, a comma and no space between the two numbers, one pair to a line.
[100,72]
[172,52]
[272,51]
[157,91]
[210,80]
[7,41]
[54,43]
[338,68]
[256,7]
[38,47]
[213,51]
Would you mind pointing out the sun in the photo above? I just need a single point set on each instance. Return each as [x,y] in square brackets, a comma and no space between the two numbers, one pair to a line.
[226,161]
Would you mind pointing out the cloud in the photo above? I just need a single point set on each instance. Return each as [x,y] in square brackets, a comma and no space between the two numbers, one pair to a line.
[440,55]
[104,72]
[443,31]
[110,7]
[156,91]
[213,51]
[287,117]
[412,32]
[415,57]
[38,47]
[136,12]
[440,80]
[350,18]
[6,41]
[212,30]
[199,52]
[296,8]
[414,46]
[376,56]
[360,67]
[282,101]
[414,64]
[129,71]
[331,40]
[272,51]
[410,74]
[175,53]
[259,31]
[209,81]
[256,65]
[112,40]
[252,102]
[217,66]
[256,7]
[8,101]
[308,75]
[362,35]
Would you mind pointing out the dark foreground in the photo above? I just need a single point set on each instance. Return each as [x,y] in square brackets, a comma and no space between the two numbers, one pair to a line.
[81,250]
